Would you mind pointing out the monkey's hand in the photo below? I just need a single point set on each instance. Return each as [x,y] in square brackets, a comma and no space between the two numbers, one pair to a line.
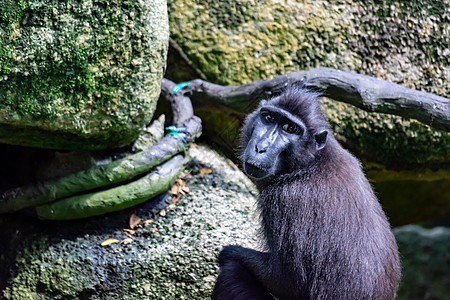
[250,267]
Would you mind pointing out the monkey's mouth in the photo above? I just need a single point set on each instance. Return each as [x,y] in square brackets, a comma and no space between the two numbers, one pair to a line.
[256,172]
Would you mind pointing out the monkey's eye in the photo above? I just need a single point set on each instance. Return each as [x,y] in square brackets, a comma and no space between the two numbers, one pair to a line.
[270,118]
[289,128]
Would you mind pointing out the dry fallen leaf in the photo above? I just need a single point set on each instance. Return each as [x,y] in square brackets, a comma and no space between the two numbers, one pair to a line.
[174,189]
[126,241]
[109,242]
[155,229]
[175,200]
[130,231]
[149,221]
[179,188]
[205,171]
[134,220]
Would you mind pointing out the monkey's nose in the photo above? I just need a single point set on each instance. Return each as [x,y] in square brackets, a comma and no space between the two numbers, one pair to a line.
[259,150]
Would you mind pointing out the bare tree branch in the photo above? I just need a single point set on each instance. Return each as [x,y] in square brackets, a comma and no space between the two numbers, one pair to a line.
[365,92]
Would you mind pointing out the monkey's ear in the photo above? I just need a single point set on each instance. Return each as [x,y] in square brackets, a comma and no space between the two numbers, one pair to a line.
[262,103]
[321,139]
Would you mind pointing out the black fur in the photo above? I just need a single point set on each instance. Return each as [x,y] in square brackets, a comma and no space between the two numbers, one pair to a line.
[326,236]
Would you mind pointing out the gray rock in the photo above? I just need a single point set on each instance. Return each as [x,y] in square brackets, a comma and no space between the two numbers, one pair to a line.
[425,259]
[80,75]
[175,256]
[172,258]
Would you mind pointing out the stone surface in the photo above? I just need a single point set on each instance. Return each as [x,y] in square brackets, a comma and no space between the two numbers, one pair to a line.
[425,261]
[406,42]
[175,256]
[235,42]
[172,258]
[79,75]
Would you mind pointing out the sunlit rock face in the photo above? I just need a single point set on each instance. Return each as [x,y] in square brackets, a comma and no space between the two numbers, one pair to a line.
[80,74]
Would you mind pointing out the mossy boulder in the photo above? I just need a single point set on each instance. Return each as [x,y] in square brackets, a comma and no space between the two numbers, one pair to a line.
[79,74]
[236,42]
[406,42]
[173,257]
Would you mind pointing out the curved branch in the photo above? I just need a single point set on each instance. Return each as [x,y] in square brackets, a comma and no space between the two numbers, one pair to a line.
[98,176]
[183,112]
[116,198]
[365,92]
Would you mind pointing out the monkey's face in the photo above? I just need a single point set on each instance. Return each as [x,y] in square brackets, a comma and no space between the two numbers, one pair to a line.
[284,135]
[275,134]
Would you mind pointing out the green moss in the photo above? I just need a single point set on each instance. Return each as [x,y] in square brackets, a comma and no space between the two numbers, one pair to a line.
[10,17]
[12,12]
[62,275]
[72,79]
[84,68]
[70,70]
[235,42]
[388,139]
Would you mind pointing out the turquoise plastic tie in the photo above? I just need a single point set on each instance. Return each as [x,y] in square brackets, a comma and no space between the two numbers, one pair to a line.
[178,131]
[180,86]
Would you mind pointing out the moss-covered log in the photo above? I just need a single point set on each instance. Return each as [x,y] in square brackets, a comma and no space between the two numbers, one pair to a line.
[114,199]
[140,190]
[96,177]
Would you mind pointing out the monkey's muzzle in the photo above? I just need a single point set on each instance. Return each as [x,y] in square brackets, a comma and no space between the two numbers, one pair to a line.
[256,172]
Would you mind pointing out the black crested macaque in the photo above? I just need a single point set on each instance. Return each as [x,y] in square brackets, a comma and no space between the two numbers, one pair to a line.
[325,234]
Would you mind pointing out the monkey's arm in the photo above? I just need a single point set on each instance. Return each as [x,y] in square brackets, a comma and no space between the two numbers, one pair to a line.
[256,262]
[242,275]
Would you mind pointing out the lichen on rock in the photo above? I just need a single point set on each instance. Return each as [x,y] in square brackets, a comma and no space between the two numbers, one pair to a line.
[406,42]
[237,42]
[79,75]
[173,257]
[392,140]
